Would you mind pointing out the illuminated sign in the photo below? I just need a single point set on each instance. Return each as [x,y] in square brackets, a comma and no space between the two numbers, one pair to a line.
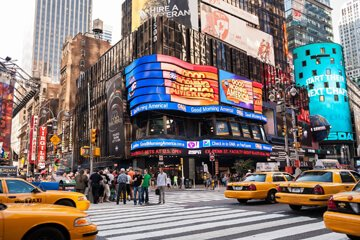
[33,139]
[208,143]
[240,91]
[159,82]
[197,110]
[324,78]
[42,146]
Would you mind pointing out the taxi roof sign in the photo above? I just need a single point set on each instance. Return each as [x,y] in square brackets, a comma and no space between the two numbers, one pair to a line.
[327,164]
[267,167]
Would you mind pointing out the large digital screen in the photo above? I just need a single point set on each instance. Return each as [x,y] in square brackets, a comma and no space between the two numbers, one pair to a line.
[182,11]
[159,82]
[240,91]
[235,31]
[325,81]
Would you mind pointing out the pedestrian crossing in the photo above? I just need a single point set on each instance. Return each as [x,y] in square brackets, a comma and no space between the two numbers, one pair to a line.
[176,220]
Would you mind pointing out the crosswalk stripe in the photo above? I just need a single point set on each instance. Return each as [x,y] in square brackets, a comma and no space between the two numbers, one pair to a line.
[133,209]
[211,222]
[243,229]
[147,217]
[286,232]
[171,218]
[331,236]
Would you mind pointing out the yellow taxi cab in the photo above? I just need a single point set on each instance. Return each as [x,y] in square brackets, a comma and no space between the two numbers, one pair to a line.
[258,185]
[44,221]
[315,187]
[16,190]
[343,214]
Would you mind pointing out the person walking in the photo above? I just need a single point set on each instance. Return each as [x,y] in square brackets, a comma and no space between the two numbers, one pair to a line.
[131,173]
[81,181]
[145,187]
[128,185]
[95,179]
[176,181]
[122,178]
[161,184]
[137,186]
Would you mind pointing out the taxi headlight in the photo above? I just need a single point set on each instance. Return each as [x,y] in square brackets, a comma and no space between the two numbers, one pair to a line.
[80,222]
[82,198]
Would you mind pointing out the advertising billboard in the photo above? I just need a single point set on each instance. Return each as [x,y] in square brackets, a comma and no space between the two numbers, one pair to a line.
[33,139]
[324,79]
[6,108]
[42,147]
[236,32]
[182,11]
[240,91]
[159,82]
[116,141]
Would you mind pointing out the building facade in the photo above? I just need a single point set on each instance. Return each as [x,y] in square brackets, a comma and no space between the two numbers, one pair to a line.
[320,68]
[308,21]
[354,99]
[350,37]
[54,21]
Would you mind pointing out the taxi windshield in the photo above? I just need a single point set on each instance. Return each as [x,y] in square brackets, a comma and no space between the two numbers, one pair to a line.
[255,178]
[357,187]
[315,176]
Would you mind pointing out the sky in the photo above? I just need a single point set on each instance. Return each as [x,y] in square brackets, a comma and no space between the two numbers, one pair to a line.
[17,18]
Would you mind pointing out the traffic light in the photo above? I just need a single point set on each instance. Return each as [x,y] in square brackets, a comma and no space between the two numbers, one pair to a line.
[55,150]
[93,135]
[284,129]
[57,162]
[300,132]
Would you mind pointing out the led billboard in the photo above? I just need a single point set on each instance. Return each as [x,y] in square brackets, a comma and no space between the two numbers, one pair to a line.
[159,82]
[320,68]
[182,11]
[236,32]
[6,108]
[240,91]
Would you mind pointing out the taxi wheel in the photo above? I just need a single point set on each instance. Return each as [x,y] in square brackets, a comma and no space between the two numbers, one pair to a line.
[353,237]
[46,233]
[271,196]
[295,207]
[65,202]
[242,201]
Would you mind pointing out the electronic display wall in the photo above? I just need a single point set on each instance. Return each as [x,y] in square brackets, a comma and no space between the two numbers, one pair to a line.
[159,82]
[6,108]
[320,67]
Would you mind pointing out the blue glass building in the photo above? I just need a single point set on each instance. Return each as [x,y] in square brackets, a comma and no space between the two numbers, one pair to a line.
[320,68]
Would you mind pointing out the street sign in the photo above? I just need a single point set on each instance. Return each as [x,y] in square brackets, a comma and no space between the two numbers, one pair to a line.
[161,158]
[212,157]
[55,139]
[41,165]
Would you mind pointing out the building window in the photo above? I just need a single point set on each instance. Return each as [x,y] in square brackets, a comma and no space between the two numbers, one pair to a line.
[83,42]
[206,128]
[328,71]
[334,50]
[82,63]
[326,85]
[340,73]
[322,50]
[345,98]
[245,130]
[303,63]
[336,98]
[318,61]
[311,86]
[256,132]
[332,60]
[295,56]
[175,126]
[222,128]
[321,98]
[314,72]
[156,126]
[235,129]
[307,52]
[337,84]
[300,75]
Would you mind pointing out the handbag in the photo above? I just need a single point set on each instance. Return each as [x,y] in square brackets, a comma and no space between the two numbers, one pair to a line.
[157,191]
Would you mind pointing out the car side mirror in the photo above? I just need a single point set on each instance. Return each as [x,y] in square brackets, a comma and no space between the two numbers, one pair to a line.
[35,190]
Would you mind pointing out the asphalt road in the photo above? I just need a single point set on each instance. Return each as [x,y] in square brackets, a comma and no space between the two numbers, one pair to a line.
[208,215]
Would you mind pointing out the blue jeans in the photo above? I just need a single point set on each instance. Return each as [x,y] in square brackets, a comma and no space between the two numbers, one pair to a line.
[146,191]
[137,190]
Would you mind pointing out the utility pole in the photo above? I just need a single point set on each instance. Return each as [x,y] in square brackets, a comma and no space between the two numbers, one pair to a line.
[91,159]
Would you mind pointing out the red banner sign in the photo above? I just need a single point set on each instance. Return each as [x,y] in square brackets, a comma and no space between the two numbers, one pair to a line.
[42,146]
[33,139]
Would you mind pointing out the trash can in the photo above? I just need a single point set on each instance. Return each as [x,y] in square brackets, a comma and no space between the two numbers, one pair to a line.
[67,185]
[188,183]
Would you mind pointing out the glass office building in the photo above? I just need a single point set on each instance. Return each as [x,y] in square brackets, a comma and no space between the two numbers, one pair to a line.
[308,21]
[54,21]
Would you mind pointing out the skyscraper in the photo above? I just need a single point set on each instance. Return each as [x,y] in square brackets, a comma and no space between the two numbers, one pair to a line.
[350,37]
[54,21]
[308,21]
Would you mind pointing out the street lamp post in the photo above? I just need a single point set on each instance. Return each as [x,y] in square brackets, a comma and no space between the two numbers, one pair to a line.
[91,158]
[272,97]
